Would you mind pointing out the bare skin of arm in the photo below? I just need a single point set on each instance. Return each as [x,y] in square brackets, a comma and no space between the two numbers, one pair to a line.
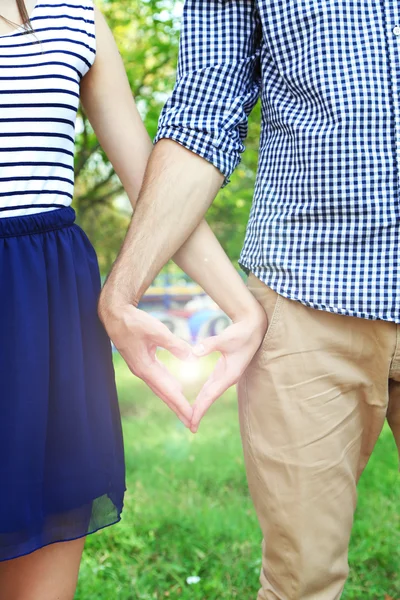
[178,188]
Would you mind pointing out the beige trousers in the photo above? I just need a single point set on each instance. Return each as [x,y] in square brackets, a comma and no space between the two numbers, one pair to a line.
[312,405]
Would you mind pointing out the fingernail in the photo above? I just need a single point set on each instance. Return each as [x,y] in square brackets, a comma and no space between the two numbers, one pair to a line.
[199,349]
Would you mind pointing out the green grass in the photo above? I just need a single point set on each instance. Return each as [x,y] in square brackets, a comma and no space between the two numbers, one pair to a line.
[188,512]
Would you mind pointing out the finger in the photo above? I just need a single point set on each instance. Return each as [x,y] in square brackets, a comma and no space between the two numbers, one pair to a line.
[213,389]
[233,338]
[174,344]
[158,392]
[207,346]
[171,405]
[163,384]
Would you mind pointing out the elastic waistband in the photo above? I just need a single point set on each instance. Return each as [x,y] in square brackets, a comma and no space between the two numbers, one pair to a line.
[37,223]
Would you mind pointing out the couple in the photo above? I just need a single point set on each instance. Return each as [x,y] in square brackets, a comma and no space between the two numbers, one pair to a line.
[314,341]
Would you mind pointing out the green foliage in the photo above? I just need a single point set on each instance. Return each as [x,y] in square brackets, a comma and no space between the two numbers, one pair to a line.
[229,213]
[147,34]
[188,513]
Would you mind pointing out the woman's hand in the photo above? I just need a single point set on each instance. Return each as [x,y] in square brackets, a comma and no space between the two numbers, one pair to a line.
[237,345]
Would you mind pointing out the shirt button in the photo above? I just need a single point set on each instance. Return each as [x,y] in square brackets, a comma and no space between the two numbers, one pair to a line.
[396,30]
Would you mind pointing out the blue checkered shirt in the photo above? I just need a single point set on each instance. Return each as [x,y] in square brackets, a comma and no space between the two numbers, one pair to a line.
[324,227]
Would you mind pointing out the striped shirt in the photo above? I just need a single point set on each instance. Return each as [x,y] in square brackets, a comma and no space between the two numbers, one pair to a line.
[324,227]
[40,77]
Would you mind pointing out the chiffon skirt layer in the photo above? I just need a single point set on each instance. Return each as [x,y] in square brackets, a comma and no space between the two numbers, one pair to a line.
[62,472]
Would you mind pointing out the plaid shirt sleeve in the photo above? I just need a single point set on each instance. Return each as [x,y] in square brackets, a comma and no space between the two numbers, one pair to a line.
[218,81]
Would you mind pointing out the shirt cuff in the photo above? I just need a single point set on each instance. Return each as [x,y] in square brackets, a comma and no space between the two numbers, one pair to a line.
[204,145]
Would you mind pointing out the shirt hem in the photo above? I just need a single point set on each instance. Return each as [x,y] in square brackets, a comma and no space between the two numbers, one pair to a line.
[263,276]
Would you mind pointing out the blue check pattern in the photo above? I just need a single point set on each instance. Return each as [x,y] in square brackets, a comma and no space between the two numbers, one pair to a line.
[324,227]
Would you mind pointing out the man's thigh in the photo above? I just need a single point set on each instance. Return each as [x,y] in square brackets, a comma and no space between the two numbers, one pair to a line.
[312,404]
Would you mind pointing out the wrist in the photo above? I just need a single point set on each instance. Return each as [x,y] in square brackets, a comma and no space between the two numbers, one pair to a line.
[115,293]
[112,304]
[252,312]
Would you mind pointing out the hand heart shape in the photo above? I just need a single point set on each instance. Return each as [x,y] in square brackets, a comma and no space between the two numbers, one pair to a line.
[137,336]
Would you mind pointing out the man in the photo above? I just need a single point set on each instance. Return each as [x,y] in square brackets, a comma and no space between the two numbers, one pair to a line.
[321,247]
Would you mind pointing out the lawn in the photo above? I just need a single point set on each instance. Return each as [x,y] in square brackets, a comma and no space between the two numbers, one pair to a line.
[188,513]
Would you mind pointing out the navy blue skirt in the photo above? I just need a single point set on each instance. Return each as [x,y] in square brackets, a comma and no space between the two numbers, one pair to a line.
[62,471]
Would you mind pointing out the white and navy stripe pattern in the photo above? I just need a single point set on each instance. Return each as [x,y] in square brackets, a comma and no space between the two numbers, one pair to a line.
[40,77]
[325,222]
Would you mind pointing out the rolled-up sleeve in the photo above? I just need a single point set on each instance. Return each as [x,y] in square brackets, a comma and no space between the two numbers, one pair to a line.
[218,81]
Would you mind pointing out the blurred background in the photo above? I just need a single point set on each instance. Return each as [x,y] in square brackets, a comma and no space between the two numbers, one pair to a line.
[189,530]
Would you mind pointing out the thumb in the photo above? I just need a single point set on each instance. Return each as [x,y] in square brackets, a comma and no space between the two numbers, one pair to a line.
[178,347]
[206,347]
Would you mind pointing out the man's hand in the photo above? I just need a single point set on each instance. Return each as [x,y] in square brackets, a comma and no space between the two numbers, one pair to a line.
[237,345]
[137,336]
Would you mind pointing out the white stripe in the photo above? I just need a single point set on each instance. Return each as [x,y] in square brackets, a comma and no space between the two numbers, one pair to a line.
[67,40]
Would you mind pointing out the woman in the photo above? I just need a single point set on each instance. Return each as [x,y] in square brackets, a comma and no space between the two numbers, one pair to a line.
[61,452]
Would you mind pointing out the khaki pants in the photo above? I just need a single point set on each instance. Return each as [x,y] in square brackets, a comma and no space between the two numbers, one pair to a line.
[312,405]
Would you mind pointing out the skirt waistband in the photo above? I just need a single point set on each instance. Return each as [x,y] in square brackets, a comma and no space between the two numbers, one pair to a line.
[37,223]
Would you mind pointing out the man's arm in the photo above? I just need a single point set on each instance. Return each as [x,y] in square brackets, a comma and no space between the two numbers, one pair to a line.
[217,86]
[178,188]
[207,117]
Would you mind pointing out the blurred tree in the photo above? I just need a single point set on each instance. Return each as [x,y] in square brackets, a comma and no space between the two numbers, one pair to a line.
[147,34]
[229,213]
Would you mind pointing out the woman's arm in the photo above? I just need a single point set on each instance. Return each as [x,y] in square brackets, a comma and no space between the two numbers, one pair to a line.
[108,102]
[109,105]
[204,260]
